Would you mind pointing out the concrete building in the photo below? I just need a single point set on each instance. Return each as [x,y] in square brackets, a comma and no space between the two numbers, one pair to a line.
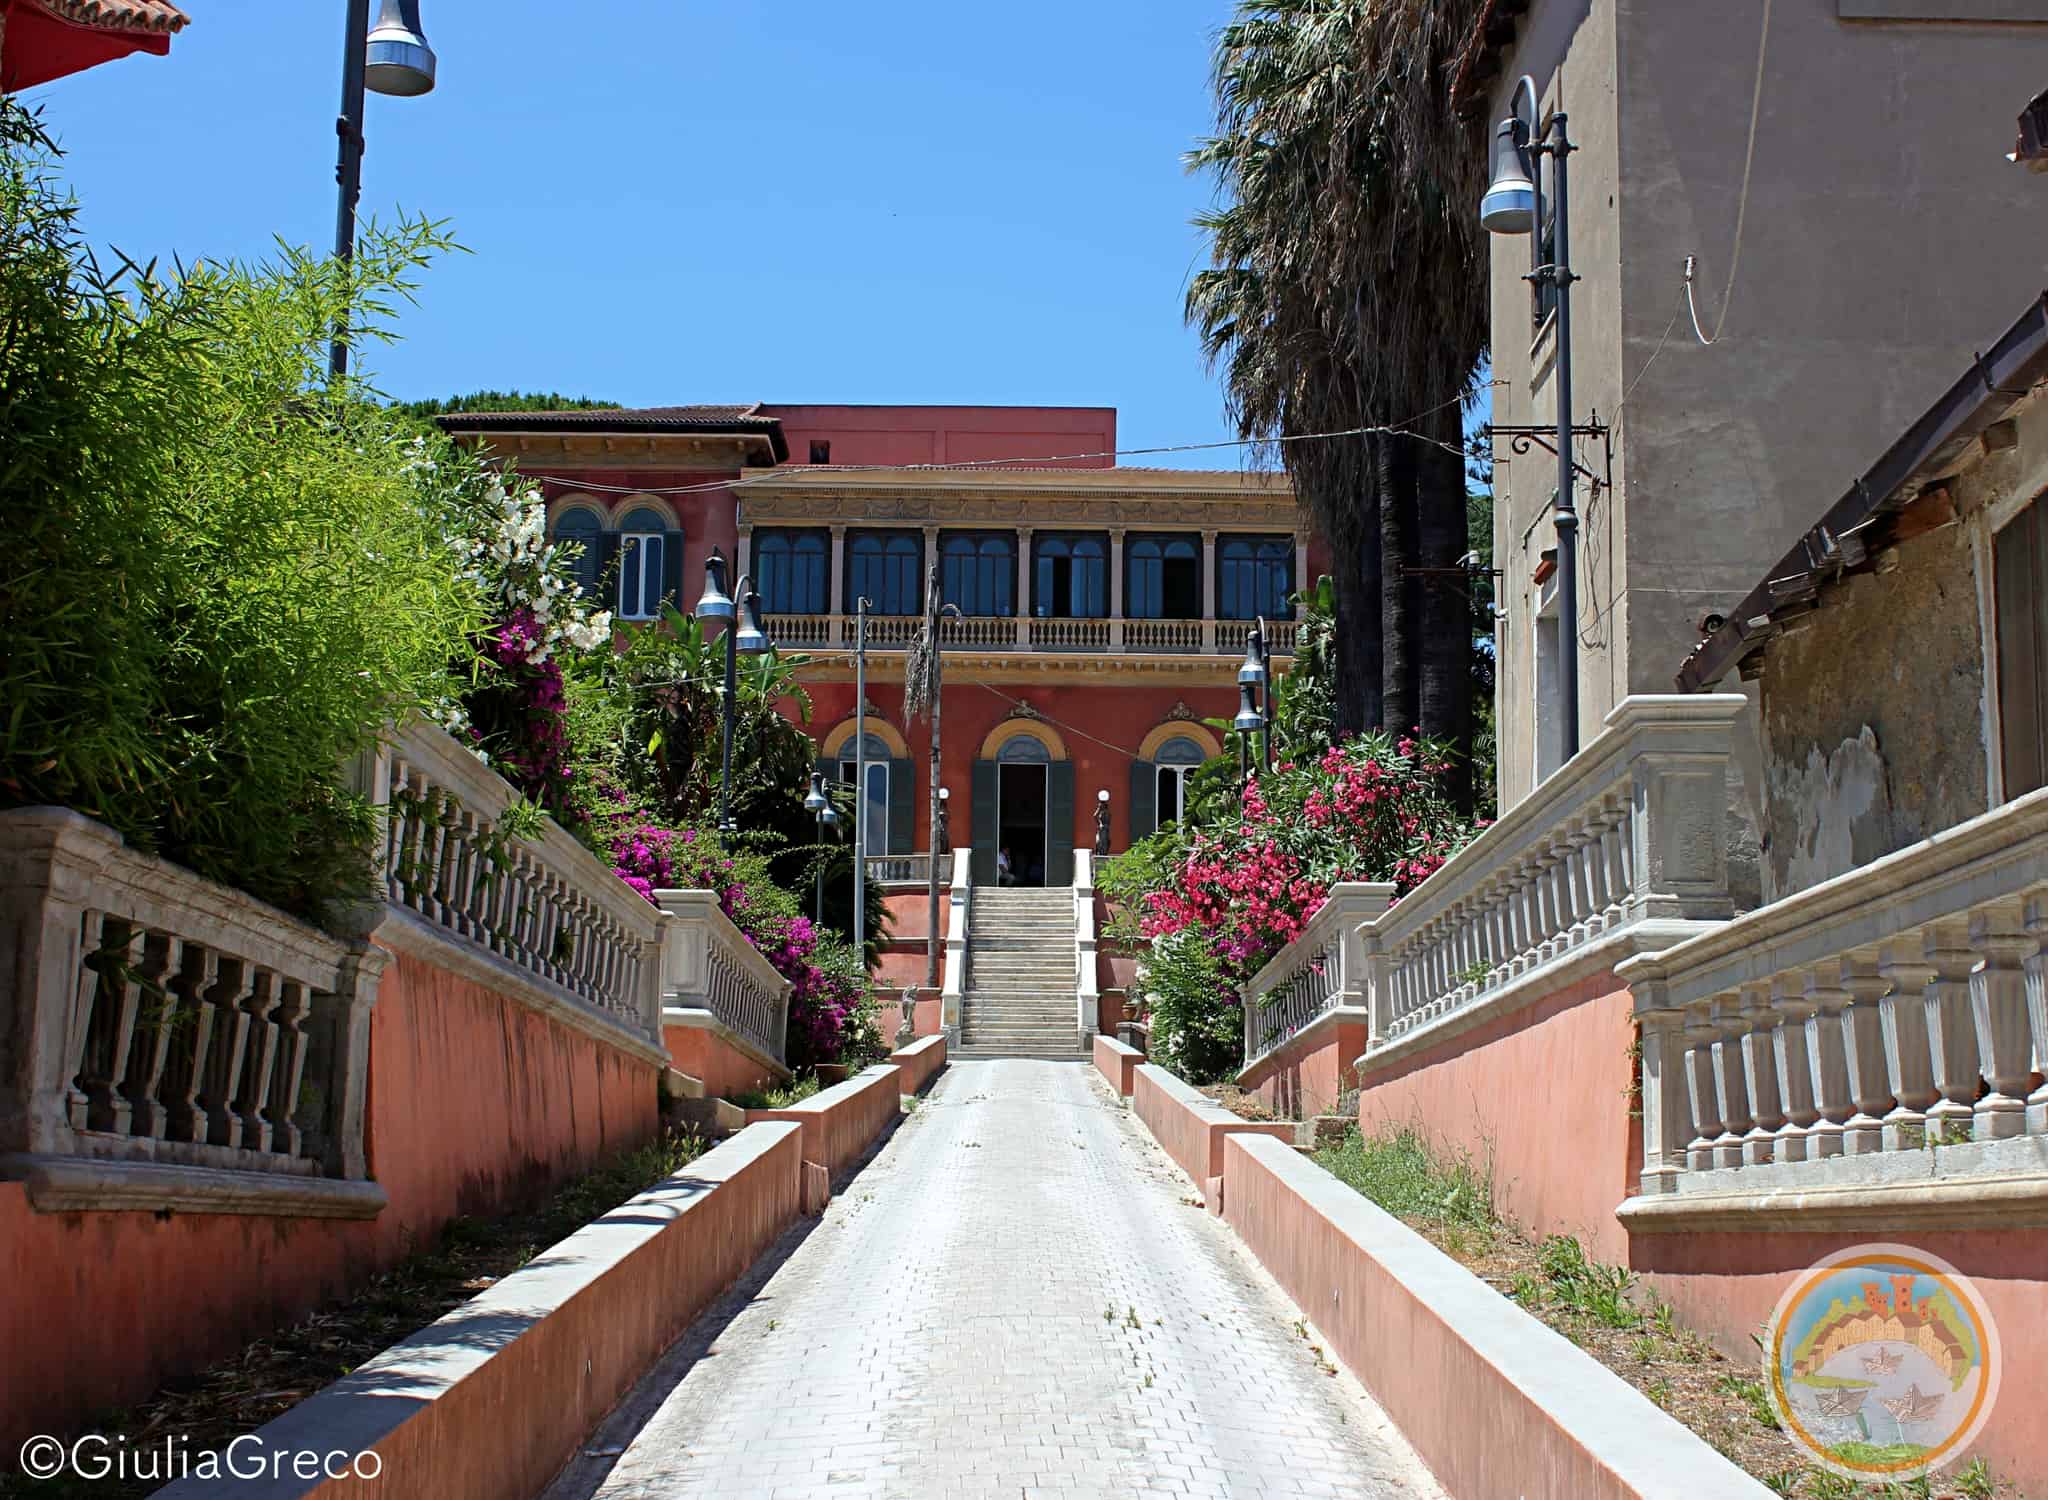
[1883,240]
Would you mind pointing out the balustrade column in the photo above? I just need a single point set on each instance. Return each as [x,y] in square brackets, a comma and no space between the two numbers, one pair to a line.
[1791,1054]
[1116,588]
[1731,1086]
[1998,1002]
[1613,842]
[1565,894]
[1546,904]
[1907,1058]
[1700,1033]
[1667,1122]
[1760,1069]
[1528,915]
[1951,1032]
[1864,1049]
[1586,877]
[1826,1114]
[2037,1010]
[1378,979]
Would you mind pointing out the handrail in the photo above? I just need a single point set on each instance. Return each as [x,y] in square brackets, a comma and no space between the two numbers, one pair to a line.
[887,633]
[1322,970]
[708,964]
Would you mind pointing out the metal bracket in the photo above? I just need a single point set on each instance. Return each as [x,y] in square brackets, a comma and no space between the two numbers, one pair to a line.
[1522,438]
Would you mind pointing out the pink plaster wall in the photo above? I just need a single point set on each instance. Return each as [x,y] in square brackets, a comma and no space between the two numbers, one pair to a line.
[1307,1077]
[476,1104]
[1541,1097]
[949,434]
[723,1070]
[841,1122]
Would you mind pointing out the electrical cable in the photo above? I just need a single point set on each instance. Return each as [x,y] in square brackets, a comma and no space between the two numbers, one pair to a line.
[1742,202]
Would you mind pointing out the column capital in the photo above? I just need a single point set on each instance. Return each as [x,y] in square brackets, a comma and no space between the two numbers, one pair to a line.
[839,532]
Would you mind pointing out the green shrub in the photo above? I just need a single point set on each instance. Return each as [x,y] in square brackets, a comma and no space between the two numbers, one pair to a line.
[224,578]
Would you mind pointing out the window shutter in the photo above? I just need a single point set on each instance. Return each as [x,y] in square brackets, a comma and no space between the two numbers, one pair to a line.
[1059,820]
[604,583]
[982,825]
[2020,589]
[1144,799]
[672,568]
[902,806]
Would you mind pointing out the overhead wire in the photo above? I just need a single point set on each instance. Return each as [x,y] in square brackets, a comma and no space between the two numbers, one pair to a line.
[1756,100]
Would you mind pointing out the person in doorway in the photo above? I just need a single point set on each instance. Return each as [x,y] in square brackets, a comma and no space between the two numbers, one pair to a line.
[1005,874]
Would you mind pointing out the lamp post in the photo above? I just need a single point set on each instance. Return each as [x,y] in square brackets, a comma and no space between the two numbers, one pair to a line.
[820,806]
[1514,205]
[742,633]
[1255,674]
[1247,723]
[393,59]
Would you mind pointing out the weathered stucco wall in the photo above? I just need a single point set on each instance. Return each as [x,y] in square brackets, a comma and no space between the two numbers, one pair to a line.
[1873,716]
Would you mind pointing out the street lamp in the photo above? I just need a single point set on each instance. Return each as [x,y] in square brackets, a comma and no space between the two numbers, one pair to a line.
[743,632]
[1514,205]
[1254,673]
[942,842]
[1247,723]
[393,59]
[820,806]
[1102,822]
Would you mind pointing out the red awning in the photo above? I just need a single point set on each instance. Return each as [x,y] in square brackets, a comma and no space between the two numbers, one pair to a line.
[45,39]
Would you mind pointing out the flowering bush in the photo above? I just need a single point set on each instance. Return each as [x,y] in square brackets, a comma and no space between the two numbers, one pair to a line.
[830,1017]
[1215,904]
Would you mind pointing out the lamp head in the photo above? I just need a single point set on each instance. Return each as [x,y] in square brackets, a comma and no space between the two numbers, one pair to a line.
[752,640]
[1248,720]
[1253,672]
[945,794]
[398,59]
[1509,206]
[815,800]
[1103,795]
[714,603]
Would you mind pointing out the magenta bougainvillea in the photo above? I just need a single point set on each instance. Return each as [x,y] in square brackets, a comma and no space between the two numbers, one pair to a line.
[825,1001]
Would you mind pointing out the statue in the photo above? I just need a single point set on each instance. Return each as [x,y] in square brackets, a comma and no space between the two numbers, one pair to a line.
[906,1028]
[1102,824]
[945,828]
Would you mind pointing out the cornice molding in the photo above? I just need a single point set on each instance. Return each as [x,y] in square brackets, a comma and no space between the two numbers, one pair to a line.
[762,506]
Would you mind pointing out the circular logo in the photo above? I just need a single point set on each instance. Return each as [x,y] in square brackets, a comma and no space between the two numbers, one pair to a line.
[1882,1362]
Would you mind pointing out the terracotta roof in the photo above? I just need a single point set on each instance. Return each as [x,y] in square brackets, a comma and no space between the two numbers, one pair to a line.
[119,15]
[1478,61]
[745,419]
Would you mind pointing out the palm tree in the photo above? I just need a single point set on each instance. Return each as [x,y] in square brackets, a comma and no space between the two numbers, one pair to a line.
[1347,290]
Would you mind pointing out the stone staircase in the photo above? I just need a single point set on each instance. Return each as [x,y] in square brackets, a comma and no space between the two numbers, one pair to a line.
[1019,999]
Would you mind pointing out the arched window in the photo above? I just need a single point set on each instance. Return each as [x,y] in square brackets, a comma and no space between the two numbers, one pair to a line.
[581,528]
[1024,749]
[1165,578]
[1256,577]
[882,567]
[1173,763]
[645,565]
[789,567]
[874,811]
[1072,577]
[979,571]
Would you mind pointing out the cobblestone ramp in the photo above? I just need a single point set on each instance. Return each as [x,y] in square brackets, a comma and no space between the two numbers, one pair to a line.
[1015,1297]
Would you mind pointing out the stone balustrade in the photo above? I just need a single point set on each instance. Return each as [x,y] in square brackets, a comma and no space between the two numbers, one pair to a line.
[1006,633]
[1881,1029]
[711,975]
[1087,995]
[158,1022]
[544,906]
[1321,973]
[1621,851]
[908,869]
[954,983]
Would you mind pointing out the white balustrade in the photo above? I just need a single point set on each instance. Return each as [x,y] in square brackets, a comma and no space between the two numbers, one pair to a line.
[1087,997]
[1626,838]
[807,630]
[907,869]
[954,984]
[1328,969]
[1059,634]
[711,974]
[1181,637]
[545,906]
[1899,1007]
[998,633]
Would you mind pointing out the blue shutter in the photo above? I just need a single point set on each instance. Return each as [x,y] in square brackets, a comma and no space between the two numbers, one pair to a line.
[1059,820]
[982,828]
[1144,799]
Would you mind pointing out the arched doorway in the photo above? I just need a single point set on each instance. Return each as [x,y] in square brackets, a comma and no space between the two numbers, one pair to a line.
[1023,804]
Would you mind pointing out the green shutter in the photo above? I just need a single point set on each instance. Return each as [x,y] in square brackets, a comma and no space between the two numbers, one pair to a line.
[1059,819]
[982,824]
[902,806]
[672,568]
[1144,799]
[607,586]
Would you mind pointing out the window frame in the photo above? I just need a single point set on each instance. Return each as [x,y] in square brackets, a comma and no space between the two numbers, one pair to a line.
[1281,549]
[1134,559]
[591,563]
[764,547]
[637,559]
[1003,580]
[1047,548]
[889,540]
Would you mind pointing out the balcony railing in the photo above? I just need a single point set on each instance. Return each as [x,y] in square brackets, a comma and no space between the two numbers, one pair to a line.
[711,973]
[1006,633]
[908,869]
[1886,1014]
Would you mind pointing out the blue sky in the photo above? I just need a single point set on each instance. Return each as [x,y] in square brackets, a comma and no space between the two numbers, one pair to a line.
[711,200]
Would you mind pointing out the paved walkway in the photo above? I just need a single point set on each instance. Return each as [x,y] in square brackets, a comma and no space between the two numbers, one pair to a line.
[1015,1297]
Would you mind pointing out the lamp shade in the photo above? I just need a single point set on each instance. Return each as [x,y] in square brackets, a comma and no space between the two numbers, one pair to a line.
[1254,669]
[1509,206]
[752,640]
[398,59]
[815,800]
[714,603]
[1248,720]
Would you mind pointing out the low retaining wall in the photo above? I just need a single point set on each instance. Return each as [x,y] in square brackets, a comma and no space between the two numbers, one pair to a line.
[490,1402]
[1561,1154]
[920,1062]
[718,1060]
[476,1104]
[1495,1403]
[1310,1072]
[1191,1126]
[1118,1064]
[841,1122]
